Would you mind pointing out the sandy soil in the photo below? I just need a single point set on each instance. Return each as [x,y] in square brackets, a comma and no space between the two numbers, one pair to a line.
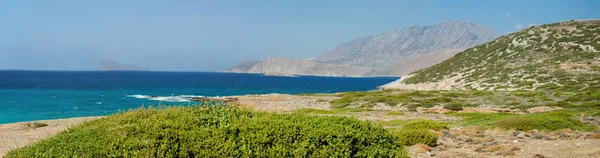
[16,135]
[283,102]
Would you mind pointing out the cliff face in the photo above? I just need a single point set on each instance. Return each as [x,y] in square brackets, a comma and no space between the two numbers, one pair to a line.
[108,65]
[392,53]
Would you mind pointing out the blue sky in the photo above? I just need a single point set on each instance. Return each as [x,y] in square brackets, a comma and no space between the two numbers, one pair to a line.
[194,35]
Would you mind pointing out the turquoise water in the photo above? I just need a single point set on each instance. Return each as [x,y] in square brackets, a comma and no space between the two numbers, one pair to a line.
[40,95]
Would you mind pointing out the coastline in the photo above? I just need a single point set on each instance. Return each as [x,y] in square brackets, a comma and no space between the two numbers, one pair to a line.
[452,142]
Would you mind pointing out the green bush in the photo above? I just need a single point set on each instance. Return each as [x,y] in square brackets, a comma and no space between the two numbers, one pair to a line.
[411,137]
[541,123]
[341,103]
[202,131]
[454,106]
[424,124]
[395,113]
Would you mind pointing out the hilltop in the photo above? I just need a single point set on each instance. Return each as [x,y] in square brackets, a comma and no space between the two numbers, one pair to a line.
[558,56]
[393,53]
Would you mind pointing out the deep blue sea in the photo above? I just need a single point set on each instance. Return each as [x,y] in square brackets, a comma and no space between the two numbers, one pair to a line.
[40,95]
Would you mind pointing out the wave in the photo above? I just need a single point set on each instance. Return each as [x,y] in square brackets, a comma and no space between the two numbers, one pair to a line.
[179,98]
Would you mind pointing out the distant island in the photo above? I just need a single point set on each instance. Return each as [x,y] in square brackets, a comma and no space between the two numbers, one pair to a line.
[109,65]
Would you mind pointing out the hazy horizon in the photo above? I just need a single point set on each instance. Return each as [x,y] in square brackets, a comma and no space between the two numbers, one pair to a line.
[211,36]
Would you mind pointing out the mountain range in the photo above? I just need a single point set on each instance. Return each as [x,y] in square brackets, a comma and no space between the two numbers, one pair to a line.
[394,53]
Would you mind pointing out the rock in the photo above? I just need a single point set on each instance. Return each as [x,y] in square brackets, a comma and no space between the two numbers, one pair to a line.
[515,148]
[539,156]
[522,135]
[465,138]
[490,144]
[506,153]
[479,148]
[488,139]
[567,135]
[537,136]
[587,118]
[549,138]
[447,143]
[447,134]
[492,148]
[592,136]
[516,133]
[419,150]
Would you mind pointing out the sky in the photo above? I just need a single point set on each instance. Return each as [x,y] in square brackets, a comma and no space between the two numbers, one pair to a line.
[198,35]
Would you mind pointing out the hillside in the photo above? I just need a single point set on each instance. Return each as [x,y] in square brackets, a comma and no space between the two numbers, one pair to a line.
[394,53]
[558,56]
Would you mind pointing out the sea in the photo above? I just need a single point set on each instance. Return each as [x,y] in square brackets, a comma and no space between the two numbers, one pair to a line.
[43,95]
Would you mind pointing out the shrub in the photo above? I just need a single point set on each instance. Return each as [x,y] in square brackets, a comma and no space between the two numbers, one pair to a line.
[395,113]
[411,137]
[424,124]
[341,103]
[454,106]
[202,131]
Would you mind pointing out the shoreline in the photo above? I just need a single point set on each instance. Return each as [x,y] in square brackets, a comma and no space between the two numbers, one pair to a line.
[460,141]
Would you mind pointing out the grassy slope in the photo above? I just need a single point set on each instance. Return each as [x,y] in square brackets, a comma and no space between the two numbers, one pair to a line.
[216,132]
[541,57]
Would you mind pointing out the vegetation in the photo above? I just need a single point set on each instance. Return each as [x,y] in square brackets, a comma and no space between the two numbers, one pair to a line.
[550,121]
[395,113]
[457,100]
[561,56]
[334,111]
[217,131]
[410,137]
[419,131]
[454,107]
[424,124]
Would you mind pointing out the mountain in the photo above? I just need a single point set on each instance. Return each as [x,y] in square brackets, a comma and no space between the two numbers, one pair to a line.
[558,56]
[392,53]
[109,65]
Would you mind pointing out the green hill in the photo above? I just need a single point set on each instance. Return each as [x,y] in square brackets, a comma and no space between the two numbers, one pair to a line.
[558,56]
